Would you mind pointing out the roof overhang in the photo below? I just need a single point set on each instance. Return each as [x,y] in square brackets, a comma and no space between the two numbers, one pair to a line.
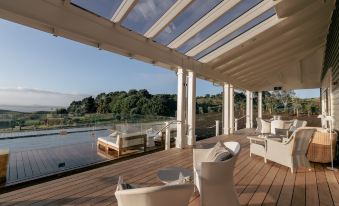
[285,50]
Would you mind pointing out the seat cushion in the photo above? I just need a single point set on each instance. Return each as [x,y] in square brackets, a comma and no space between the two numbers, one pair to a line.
[218,153]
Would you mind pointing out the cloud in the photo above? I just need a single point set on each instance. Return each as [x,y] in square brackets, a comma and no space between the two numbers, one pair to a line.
[32,97]
[149,10]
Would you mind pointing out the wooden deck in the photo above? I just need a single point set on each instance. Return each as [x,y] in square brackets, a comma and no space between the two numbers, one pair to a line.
[256,183]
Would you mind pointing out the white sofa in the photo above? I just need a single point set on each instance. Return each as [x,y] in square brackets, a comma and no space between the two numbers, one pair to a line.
[166,195]
[214,180]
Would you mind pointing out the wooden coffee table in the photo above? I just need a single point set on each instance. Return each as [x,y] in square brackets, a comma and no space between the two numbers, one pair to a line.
[4,154]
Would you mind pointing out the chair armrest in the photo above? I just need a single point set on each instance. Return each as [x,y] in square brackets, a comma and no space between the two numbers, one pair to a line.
[257,139]
[278,146]
[199,155]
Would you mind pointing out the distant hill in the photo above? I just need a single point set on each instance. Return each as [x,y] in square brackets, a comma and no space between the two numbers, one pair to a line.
[27,109]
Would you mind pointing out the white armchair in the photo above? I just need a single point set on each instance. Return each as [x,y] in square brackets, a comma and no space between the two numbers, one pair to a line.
[166,195]
[214,180]
[291,154]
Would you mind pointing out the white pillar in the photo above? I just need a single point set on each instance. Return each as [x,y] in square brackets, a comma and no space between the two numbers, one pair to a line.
[226,109]
[260,105]
[251,109]
[231,109]
[191,108]
[181,107]
[248,107]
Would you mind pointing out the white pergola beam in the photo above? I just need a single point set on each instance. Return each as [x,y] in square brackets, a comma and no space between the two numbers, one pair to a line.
[181,109]
[256,81]
[191,101]
[286,36]
[241,39]
[296,53]
[175,10]
[210,17]
[82,26]
[296,44]
[123,10]
[236,24]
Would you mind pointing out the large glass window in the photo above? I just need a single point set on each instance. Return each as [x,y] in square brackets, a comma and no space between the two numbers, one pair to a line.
[264,16]
[186,19]
[145,14]
[220,23]
[103,8]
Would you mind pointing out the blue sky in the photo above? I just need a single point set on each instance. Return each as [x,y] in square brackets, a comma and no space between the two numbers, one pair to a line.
[34,60]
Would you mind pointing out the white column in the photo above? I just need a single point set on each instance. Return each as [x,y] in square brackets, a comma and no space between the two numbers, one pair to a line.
[231,109]
[251,109]
[181,107]
[226,109]
[248,107]
[191,108]
[260,105]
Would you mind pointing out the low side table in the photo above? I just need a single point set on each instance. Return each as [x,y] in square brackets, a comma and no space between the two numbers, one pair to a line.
[170,174]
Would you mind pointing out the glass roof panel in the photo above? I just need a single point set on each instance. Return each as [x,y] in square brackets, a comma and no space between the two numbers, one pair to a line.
[146,13]
[256,21]
[103,8]
[220,23]
[186,19]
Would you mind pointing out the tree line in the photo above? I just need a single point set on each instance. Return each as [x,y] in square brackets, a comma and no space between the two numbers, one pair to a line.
[141,102]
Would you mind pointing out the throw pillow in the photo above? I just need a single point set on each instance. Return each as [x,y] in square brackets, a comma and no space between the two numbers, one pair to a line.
[259,127]
[218,153]
[265,127]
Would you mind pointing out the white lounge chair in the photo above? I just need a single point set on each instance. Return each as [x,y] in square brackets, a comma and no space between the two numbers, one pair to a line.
[167,195]
[214,180]
[122,142]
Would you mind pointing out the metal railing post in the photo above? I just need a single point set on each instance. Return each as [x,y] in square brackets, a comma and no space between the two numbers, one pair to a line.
[236,125]
[217,125]
[168,136]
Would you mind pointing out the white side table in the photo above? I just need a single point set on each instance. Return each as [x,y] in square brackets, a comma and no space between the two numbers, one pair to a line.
[170,174]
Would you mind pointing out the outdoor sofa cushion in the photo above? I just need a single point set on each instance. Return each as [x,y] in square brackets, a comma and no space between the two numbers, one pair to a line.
[218,153]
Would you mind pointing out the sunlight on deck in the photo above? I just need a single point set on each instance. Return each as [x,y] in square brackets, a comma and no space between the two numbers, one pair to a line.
[256,182]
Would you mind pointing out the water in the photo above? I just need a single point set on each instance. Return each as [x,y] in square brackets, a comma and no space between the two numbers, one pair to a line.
[51,141]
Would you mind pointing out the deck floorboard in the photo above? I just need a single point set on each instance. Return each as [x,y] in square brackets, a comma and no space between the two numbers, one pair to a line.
[256,183]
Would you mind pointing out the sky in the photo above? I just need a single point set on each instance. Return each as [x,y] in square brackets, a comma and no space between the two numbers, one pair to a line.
[40,69]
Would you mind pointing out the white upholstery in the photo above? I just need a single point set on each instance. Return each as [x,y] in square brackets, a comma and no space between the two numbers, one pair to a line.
[114,141]
[214,180]
[167,195]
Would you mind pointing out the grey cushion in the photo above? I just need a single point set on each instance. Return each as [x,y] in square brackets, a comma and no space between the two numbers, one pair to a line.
[283,132]
[218,153]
